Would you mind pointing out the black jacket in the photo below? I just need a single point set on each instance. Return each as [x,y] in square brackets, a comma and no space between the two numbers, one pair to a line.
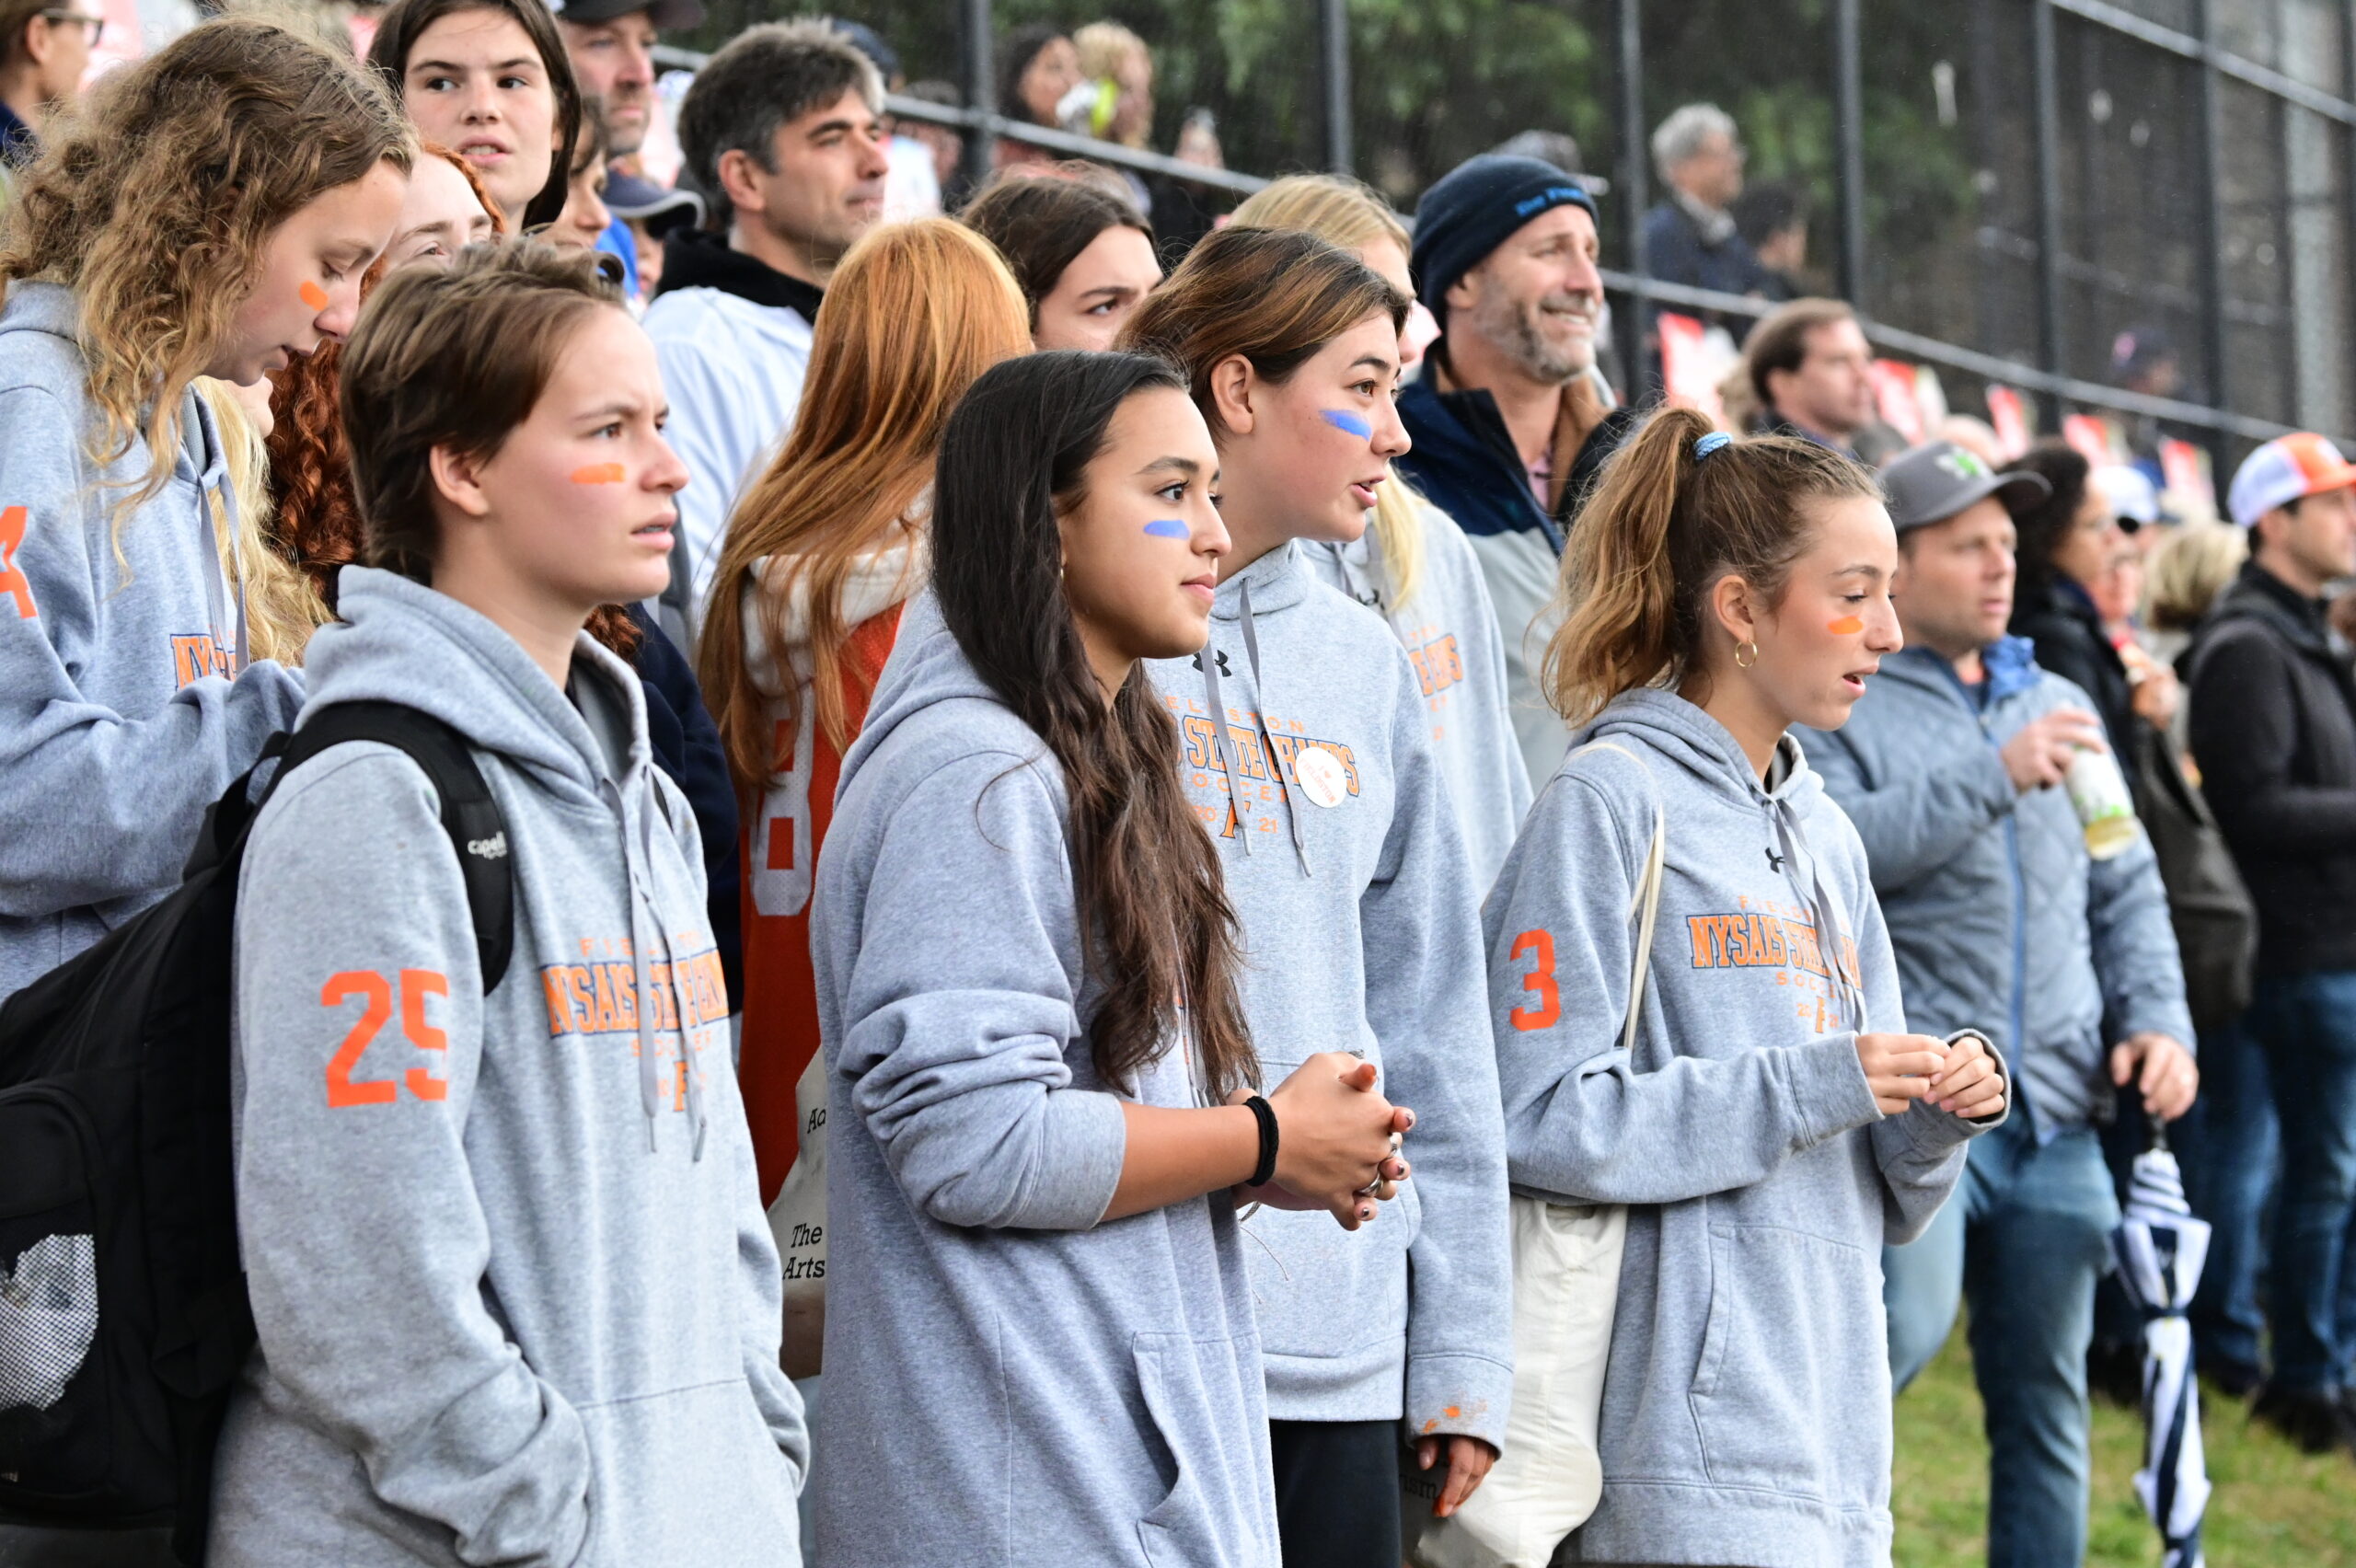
[1464,461]
[2273,721]
[1677,251]
[2068,631]
[698,258]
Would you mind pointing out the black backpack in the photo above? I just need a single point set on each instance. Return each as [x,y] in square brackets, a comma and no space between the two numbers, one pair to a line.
[123,1318]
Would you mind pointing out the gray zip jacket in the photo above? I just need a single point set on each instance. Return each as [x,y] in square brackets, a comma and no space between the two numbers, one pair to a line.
[1011,1379]
[2000,919]
[125,705]
[516,1298]
[1746,1405]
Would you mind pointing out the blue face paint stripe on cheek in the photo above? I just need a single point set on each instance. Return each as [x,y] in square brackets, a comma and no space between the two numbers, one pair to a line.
[1357,424]
[1166,530]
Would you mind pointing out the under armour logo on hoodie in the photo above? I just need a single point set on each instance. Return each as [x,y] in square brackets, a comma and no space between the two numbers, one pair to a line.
[1774,861]
[1223,670]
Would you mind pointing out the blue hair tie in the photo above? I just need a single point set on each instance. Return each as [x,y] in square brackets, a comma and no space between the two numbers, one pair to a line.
[1704,446]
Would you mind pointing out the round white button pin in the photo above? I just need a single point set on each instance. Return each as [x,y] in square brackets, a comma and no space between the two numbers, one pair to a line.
[1322,777]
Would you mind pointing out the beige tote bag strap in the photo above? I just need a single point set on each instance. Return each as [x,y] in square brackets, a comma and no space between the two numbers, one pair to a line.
[1644,905]
[1565,1294]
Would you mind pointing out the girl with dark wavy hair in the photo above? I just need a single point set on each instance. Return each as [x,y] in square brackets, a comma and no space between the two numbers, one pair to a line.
[1039,1326]
[205,212]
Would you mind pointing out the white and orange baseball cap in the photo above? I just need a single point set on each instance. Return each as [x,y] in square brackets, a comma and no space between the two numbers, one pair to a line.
[2287,469]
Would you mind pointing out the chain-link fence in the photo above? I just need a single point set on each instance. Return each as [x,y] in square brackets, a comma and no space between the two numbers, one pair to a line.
[2142,208]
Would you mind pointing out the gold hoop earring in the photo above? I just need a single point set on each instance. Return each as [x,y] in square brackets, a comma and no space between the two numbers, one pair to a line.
[1739,662]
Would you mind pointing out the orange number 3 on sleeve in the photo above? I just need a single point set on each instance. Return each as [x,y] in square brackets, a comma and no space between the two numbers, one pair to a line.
[1547,1008]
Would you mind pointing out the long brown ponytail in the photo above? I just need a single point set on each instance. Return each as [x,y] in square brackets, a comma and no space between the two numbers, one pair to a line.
[1665,523]
[1153,910]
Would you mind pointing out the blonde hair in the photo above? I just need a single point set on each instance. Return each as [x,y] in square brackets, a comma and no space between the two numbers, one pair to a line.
[916,312]
[281,608]
[2187,570]
[152,202]
[1103,47]
[1351,215]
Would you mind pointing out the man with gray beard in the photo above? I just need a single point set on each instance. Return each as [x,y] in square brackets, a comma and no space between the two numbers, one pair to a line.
[1510,418]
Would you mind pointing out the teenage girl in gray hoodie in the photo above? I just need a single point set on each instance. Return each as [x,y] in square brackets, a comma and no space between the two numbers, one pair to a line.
[515,1298]
[206,214]
[1040,1341]
[1309,761]
[1773,1125]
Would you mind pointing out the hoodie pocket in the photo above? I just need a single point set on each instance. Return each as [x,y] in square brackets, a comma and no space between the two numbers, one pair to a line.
[1219,1507]
[1791,1392]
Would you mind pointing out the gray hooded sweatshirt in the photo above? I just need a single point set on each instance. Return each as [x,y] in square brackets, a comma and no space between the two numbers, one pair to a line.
[1746,1408]
[1360,927]
[1449,630]
[1011,1377]
[125,704]
[517,1300]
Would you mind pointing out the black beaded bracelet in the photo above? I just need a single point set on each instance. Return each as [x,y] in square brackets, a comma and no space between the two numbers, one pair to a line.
[1265,1172]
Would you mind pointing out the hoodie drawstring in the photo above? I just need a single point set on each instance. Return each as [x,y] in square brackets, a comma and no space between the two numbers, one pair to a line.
[229,558]
[649,1073]
[1820,906]
[1208,658]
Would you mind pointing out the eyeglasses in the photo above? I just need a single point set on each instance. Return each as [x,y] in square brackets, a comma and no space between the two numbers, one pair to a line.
[97,25]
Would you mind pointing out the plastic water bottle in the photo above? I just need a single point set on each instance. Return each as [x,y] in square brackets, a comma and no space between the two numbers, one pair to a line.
[2106,811]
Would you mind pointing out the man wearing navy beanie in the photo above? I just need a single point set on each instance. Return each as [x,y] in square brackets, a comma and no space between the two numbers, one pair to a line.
[1510,418]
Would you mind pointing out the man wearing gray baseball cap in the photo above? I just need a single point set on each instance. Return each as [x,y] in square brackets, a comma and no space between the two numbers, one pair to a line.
[2002,920]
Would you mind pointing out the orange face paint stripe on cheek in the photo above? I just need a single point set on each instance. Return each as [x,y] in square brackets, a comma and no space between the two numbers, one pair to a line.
[1847,625]
[598,474]
[313,295]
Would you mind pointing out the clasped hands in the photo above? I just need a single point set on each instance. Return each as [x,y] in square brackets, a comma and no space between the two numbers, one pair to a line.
[1958,1076]
[1338,1141]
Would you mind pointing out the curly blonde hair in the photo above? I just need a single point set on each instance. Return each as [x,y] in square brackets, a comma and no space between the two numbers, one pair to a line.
[281,606]
[152,202]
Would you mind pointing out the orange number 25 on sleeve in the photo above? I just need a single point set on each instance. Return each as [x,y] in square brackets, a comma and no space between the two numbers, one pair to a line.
[377,1009]
[1547,1007]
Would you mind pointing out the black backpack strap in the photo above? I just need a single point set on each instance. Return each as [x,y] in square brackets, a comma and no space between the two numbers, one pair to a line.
[476,827]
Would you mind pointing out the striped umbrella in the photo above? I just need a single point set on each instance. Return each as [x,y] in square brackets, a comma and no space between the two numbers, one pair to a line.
[2160,1248]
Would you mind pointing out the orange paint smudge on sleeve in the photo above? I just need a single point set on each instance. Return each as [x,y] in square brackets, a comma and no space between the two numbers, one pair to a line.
[598,474]
[313,295]
[1847,625]
[1453,1412]
[1432,1425]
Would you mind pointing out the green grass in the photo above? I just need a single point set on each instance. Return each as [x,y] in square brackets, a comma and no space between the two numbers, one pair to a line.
[2274,1507]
